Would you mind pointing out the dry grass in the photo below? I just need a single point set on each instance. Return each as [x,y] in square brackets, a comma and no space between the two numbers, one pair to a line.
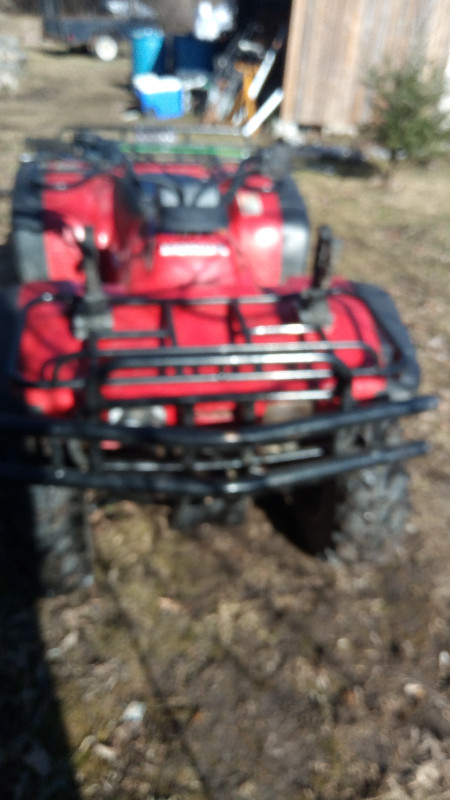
[264,673]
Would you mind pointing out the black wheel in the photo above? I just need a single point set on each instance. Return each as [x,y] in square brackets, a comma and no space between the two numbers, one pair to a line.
[61,538]
[44,542]
[105,47]
[362,515]
[44,534]
[27,237]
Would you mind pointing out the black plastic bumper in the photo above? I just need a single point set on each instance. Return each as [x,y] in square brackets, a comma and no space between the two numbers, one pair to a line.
[193,480]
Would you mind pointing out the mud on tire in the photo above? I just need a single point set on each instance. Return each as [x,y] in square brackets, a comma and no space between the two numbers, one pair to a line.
[44,539]
[44,533]
[362,515]
[61,539]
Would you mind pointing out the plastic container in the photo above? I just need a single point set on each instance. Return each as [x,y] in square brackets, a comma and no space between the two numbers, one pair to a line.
[190,53]
[148,51]
[162,96]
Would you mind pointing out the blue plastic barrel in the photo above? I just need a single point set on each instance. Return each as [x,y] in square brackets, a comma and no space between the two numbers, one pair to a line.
[148,51]
[190,53]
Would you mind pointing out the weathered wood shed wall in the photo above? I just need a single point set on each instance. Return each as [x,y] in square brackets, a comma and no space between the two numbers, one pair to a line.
[334,43]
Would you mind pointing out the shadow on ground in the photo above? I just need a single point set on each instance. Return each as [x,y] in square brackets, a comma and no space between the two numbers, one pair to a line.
[34,755]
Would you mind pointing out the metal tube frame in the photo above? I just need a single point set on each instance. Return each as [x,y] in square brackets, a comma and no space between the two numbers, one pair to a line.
[185,460]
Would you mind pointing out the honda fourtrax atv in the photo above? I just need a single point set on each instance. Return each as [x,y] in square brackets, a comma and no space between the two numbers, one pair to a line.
[164,335]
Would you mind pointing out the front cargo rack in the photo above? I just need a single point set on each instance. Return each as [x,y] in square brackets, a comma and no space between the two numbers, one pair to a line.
[245,360]
[104,449]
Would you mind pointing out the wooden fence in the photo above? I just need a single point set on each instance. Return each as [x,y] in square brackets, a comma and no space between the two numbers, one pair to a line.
[334,43]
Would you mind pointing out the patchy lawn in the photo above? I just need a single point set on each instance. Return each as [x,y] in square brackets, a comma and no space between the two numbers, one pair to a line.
[226,663]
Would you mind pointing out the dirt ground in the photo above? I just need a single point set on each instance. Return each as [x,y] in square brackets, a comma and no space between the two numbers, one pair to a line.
[227,663]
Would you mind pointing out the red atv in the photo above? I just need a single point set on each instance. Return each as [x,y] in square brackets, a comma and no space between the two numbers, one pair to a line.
[163,336]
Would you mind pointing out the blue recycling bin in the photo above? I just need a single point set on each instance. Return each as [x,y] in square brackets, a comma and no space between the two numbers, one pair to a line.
[148,51]
[190,53]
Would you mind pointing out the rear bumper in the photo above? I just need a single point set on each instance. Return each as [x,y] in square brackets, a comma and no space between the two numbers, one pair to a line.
[203,462]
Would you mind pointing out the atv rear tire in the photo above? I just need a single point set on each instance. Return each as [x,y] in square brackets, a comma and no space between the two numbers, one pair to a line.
[360,516]
[43,529]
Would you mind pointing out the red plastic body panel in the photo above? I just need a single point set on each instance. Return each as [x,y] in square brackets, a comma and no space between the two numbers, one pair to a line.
[138,258]
[48,335]
[139,262]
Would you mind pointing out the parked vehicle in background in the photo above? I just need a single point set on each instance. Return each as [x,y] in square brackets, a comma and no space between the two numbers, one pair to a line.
[101,31]
[127,8]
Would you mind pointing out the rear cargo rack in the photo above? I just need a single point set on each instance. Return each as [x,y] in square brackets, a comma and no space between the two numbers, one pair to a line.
[186,143]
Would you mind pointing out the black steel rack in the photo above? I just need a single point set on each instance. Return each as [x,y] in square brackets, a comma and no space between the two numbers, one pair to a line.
[230,459]
[245,360]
